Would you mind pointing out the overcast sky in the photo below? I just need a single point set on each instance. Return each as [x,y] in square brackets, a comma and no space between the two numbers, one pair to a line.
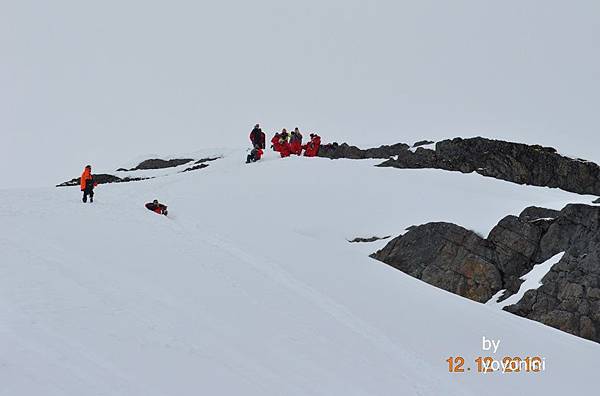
[103,82]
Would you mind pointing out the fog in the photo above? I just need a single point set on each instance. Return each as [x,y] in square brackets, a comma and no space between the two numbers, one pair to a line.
[104,82]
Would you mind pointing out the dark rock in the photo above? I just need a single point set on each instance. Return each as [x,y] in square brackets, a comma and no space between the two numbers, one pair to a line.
[209,159]
[514,162]
[195,167]
[597,200]
[121,170]
[422,143]
[336,151]
[457,260]
[370,239]
[157,163]
[102,178]
[447,256]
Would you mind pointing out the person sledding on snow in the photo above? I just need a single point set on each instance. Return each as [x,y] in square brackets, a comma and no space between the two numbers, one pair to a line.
[257,137]
[296,142]
[157,207]
[87,184]
[255,155]
[311,149]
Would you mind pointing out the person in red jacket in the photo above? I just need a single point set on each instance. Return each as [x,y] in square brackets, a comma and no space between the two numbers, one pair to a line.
[255,155]
[275,142]
[87,184]
[284,149]
[296,142]
[157,207]
[311,149]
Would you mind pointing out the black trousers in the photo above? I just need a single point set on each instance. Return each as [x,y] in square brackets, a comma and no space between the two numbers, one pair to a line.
[90,192]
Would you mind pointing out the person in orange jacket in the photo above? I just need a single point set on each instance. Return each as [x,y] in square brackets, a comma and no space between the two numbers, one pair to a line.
[87,184]
[311,149]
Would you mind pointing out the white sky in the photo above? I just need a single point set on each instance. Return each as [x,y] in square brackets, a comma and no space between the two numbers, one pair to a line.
[103,82]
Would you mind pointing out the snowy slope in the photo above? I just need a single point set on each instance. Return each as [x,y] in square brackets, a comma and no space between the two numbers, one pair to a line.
[250,287]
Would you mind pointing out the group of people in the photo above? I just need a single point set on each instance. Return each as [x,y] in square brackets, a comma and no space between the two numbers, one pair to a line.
[284,143]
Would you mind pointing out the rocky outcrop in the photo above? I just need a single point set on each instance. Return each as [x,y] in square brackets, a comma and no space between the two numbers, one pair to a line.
[514,162]
[195,167]
[157,163]
[105,178]
[369,239]
[102,178]
[422,143]
[336,151]
[447,256]
[455,259]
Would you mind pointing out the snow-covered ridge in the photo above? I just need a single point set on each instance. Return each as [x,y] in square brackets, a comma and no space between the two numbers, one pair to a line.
[250,286]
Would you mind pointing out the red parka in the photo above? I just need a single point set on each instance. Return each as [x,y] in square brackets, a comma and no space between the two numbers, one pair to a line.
[275,142]
[312,147]
[284,149]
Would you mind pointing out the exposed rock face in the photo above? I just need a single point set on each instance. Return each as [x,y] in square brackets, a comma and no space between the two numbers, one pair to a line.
[208,159]
[457,260]
[422,143]
[447,256]
[195,167]
[369,239]
[144,165]
[335,151]
[156,163]
[515,162]
[102,178]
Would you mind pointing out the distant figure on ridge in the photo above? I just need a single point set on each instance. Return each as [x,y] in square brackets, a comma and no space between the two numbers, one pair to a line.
[87,184]
[255,155]
[257,137]
[157,207]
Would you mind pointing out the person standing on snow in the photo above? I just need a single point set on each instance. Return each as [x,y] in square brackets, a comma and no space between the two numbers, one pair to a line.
[257,137]
[255,154]
[87,184]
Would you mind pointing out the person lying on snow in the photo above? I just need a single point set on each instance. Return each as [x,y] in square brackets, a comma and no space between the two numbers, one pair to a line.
[255,155]
[257,137]
[157,207]
[311,149]
[87,184]
[296,142]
